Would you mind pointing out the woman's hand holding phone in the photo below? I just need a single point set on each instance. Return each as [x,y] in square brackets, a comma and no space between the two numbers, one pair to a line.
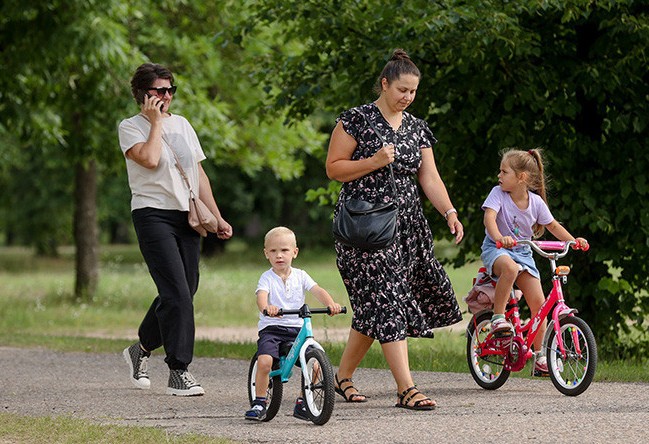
[151,103]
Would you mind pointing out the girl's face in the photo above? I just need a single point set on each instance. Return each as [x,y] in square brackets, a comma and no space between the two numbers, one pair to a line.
[280,250]
[401,92]
[508,179]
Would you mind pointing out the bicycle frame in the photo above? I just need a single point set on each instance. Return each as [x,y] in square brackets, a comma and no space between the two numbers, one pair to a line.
[303,340]
[525,334]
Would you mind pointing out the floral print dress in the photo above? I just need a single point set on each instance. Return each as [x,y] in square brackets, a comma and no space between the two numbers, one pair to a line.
[401,290]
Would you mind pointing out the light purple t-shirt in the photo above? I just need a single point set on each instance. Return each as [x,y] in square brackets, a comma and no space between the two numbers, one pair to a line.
[511,220]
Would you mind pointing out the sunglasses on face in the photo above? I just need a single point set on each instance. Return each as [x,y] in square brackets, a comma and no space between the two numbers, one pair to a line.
[162,91]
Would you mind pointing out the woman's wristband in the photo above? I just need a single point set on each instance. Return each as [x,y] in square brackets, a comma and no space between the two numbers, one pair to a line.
[449,212]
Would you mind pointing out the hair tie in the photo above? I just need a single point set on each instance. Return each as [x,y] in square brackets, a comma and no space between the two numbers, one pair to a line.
[530,152]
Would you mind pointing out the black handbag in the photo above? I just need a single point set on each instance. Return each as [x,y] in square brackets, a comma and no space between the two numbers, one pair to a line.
[367,225]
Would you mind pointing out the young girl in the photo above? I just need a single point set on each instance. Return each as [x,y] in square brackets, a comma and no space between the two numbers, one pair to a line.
[517,209]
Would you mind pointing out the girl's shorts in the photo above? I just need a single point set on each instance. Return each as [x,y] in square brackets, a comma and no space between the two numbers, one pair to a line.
[522,255]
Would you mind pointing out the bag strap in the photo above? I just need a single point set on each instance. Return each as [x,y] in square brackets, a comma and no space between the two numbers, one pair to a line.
[382,139]
[180,168]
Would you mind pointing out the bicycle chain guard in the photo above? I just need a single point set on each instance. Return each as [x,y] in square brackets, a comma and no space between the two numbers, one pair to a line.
[517,355]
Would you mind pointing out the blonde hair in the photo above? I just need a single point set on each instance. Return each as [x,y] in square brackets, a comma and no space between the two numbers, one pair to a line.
[531,163]
[279,231]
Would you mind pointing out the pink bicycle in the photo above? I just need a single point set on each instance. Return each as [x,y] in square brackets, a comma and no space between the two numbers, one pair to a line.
[569,342]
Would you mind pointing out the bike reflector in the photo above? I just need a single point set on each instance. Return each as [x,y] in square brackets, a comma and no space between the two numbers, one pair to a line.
[562,270]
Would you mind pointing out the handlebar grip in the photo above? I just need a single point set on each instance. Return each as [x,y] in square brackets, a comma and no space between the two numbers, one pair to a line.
[343,310]
[499,244]
[281,312]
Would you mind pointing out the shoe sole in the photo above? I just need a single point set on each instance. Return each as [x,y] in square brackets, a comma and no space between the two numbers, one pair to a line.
[303,418]
[143,383]
[194,391]
[255,418]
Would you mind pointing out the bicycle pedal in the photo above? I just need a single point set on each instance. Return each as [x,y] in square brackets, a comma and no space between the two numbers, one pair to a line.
[503,334]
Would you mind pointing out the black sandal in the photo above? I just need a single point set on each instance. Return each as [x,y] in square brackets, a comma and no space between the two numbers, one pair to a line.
[403,401]
[353,397]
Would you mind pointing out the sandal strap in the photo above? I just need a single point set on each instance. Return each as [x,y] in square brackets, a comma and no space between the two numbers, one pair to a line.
[341,381]
[403,400]
[350,386]
[352,396]
[406,391]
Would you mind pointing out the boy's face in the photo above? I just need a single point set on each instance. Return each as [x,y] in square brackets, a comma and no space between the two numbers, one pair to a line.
[280,250]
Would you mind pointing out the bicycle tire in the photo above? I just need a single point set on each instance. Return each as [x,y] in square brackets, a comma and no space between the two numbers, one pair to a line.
[319,393]
[273,394]
[488,372]
[572,375]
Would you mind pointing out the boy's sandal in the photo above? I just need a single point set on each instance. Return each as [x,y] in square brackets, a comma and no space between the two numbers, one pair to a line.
[352,397]
[404,400]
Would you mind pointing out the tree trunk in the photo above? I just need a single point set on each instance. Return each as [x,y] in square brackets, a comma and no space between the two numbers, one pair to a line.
[86,233]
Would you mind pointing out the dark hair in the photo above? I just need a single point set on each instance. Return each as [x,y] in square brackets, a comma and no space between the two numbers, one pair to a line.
[399,64]
[145,75]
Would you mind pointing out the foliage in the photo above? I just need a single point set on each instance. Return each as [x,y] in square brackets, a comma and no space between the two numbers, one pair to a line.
[69,65]
[567,76]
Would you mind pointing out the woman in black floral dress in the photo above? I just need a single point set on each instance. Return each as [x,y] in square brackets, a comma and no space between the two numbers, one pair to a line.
[401,290]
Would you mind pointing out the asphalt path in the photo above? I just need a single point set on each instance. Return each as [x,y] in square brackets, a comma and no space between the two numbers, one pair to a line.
[39,382]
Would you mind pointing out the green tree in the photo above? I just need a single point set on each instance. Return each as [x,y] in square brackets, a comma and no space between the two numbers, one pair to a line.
[569,76]
[67,66]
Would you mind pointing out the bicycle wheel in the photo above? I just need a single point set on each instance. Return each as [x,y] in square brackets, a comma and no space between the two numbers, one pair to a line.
[273,393]
[488,371]
[318,390]
[573,374]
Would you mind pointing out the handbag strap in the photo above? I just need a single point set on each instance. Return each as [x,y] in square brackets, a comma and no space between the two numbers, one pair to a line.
[180,168]
[382,139]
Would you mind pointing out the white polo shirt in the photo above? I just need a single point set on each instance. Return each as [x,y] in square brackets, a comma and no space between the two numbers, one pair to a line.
[288,295]
[162,187]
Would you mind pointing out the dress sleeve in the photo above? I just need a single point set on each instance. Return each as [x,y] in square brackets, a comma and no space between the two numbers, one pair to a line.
[426,137]
[352,122]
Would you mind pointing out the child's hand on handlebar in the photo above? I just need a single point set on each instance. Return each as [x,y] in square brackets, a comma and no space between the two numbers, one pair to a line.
[271,310]
[334,309]
[582,244]
[506,242]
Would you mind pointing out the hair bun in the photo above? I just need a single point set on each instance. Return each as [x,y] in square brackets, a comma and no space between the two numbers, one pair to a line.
[399,54]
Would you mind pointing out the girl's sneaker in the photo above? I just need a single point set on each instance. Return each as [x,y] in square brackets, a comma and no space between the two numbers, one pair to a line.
[502,327]
[541,366]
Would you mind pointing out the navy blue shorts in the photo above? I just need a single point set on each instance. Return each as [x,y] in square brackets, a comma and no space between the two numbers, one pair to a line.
[271,337]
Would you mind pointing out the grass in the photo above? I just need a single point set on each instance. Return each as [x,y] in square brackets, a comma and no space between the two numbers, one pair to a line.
[46,430]
[38,310]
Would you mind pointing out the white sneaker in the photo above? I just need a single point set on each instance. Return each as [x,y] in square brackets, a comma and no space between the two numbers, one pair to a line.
[137,360]
[182,383]
[502,327]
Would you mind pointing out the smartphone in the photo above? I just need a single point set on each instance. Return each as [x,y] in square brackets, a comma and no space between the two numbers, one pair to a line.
[140,98]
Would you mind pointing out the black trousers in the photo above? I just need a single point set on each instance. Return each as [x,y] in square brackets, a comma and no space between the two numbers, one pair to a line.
[171,250]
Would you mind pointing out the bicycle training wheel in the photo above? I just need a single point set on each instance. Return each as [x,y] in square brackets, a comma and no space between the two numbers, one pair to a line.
[488,371]
[318,390]
[572,374]
[273,394]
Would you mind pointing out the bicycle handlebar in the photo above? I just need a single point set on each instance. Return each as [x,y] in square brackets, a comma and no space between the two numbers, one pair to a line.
[306,310]
[542,247]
